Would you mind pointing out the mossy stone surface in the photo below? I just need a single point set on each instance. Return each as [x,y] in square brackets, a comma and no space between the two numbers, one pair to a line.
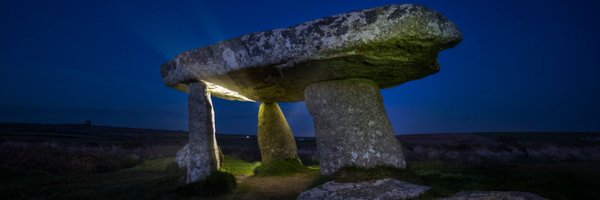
[351,126]
[390,45]
[275,138]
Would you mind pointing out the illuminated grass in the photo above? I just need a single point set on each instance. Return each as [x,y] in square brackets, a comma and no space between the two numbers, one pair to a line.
[281,167]
[238,166]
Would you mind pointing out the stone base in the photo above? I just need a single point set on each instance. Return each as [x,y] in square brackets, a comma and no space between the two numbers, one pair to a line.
[275,138]
[351,125]
[202,150]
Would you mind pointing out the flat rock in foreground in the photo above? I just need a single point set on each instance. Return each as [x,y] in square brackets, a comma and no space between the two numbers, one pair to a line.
[377,189]
[389,45]
[494,195]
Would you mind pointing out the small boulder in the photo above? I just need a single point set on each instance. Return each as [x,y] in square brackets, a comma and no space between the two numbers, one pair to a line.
[376,189]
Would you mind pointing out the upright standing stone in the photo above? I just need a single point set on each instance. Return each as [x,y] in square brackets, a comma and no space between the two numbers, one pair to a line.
[351,125]
[275,138]
[203,153]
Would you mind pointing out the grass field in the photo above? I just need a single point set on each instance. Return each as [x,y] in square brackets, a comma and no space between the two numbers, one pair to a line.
[82,162]
[152,179]
[158,178]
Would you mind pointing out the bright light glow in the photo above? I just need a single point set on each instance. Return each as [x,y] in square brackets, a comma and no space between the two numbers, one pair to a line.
[224,93]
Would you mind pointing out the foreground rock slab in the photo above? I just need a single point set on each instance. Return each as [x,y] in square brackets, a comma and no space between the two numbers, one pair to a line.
[494,195]
[389,45]
[378,189]
[351,126]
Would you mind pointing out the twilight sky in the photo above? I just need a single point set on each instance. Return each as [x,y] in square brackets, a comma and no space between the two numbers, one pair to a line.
[523,65]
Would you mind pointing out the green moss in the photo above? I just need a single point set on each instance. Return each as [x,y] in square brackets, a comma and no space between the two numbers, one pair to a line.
[275,138]
[215,184]
[279,167]
[238,167]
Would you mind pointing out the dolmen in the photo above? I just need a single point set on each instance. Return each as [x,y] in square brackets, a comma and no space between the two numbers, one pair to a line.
[336,64]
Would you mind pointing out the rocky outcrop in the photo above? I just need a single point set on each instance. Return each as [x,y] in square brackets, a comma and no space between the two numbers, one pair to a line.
[351,125]
[275,138]
[389,45]
[378,189]
[494,195]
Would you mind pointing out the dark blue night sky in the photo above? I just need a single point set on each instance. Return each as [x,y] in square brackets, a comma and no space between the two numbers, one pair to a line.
[523,65]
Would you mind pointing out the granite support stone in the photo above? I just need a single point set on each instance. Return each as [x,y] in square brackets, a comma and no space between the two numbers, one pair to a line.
[351,125]
[203,158]
[275,138]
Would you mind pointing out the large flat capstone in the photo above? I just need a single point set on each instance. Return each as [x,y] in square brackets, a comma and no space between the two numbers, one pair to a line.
[389,45]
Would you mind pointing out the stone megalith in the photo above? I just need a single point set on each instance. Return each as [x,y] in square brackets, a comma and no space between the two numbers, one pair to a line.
[275,137]
[202,150]
[351,125]
[384,47]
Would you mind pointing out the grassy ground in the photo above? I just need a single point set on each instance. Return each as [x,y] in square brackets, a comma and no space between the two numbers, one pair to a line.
[148,180]
[94,162]
[158,178]
[239,167]
[153,179]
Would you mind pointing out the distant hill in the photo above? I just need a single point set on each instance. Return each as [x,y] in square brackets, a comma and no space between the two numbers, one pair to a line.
[92,134]
[81,133]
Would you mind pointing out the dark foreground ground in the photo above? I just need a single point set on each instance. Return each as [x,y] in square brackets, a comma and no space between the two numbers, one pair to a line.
[97,162]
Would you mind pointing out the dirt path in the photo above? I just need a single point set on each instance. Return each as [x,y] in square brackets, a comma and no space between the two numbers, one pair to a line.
[274,187]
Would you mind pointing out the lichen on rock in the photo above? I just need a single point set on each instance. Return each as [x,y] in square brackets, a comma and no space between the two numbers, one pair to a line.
[376,189]
[351,126]
[275,137]
[389,45]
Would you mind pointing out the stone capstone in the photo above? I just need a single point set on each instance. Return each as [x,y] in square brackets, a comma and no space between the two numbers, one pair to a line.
[389,45]
[494,195]
[351,126]
[202,150]
[378,189]
[275,138]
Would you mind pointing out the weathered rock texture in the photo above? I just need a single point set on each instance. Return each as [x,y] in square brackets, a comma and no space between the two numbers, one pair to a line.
[351,125]
[385,46]
[494,195]
[183,155]
[377,189]
[389,45]
[275,137]
[202,151]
